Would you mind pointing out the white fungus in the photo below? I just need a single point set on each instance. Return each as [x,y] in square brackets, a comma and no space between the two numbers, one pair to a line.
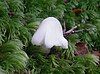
[50,34]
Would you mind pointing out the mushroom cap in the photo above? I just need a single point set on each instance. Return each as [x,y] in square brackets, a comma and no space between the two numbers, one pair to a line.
[50,34]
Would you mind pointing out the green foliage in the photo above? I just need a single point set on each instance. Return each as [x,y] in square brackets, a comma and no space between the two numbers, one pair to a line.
[11,55]
[89,62]
[19,19]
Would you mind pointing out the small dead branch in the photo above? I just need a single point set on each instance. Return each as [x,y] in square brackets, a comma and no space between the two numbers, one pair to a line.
[73,31]
[70,31]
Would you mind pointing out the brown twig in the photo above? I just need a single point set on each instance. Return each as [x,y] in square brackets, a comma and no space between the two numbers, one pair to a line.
[72,31]
[64,25]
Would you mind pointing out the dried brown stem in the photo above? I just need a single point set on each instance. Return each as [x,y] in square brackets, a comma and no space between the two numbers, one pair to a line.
[72,31]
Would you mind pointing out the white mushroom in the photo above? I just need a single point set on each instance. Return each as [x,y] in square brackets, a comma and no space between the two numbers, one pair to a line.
[50,34]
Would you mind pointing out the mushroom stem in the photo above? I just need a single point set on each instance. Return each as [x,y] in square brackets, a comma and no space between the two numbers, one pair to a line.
[52,51]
